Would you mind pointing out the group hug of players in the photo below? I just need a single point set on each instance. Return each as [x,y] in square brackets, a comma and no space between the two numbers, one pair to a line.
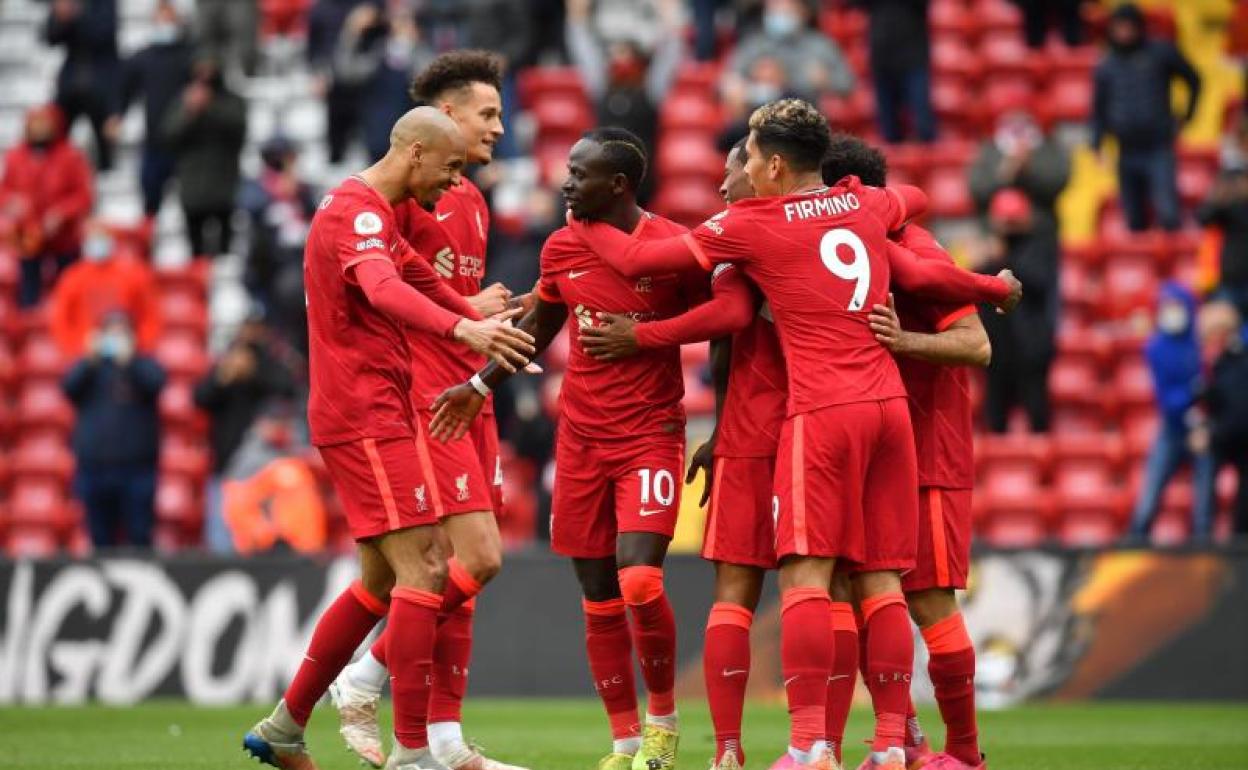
[825,387]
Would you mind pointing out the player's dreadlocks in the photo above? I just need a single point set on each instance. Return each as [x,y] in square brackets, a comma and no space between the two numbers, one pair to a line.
[623,150]
[793,129]
[455,70]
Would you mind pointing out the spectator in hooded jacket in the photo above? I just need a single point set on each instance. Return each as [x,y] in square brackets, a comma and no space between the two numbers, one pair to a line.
[1226,208]
[47,191]
[104,281]
[1223,331]
[205,131]
[88,83]
[115,392]
[1131,102]
[1173,355]
[157,74]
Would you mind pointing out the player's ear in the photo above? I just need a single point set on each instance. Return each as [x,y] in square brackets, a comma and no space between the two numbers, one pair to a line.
[414,153]
[619,184]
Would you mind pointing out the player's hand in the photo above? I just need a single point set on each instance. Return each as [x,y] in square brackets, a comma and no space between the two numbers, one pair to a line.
[703,460]
[497,339]
[615,337]
[1016,291]
[887,326]
[491,300]
[525,302]
[454,411]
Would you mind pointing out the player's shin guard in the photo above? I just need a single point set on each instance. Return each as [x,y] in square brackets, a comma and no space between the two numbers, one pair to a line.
[654,635]
[413,618]
[844,673]
[952,669]
[806,652]
[610,651]
[890,657]
[452,653]
[726,668]
[338,633]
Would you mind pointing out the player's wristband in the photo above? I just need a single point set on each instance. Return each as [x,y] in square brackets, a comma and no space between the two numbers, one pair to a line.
[479,385]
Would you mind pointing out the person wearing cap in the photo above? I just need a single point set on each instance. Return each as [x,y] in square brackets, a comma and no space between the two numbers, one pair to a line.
[1023,342]
[115,391]
[1132,102]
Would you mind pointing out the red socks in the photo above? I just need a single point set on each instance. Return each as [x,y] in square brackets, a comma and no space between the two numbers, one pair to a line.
[452,652]
[844,674]
[337,635]
[806,653]
[952,669]
[413,620]
[610,651]
[890,658]
[726,668]
[461,588]
[654,634]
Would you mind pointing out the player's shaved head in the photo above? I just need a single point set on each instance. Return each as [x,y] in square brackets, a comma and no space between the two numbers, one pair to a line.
[426,125]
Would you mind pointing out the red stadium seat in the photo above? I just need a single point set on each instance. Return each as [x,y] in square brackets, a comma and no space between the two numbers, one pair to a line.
[700,78]
[1080,290]
[1174,520]
[8,370]
[1087,347]
[177,502]
[562,115]
[192,277]
[1130,286]
[948,194]
[1133,383]
[182,354]
[998,16]
[693,157]
[1093,526]
[1002,93]
[1075,381]
[183,311]
[951,20]
[1014,521]
[1081,60]
[687,202]
[1068,98]
[850,113]
[41,405]
[534,83]
[1139,431]
[41,359]
[43,460]
[31,542]
[1195,182]
[183,460]
[9,270]
[690,111]
[178,410]
[551,155]
[38,501]
[955,106]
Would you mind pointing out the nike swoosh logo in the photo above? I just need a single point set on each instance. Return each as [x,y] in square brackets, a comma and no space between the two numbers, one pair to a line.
[446,216]
[790,679]
[734,672]
[648,512]
[576,273]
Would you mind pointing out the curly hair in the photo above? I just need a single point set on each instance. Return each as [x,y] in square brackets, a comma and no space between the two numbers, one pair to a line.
[848,155]
[793,129]
[455,70]
[622,150]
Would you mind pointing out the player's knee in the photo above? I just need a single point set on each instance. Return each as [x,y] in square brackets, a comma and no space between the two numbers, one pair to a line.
[378,585]
[483,565]
[738,585]
[641,585]
[931,606]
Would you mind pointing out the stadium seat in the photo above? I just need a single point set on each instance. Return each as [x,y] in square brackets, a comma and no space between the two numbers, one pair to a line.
[687,201]
[177,459]
[1089,502]
[997,15]
[562,116]
[1133,383]
[1092,524]
[852,113]
[41,359]
[1080,60]
[1014,521]
[43,460]
[534,83]
[1075,380]
[955,107]
[1005,53]
[1173,525]
[1139,430]
[1068,98]
[1130,285]
[689,156]
[31,542]
[690,111]
[38,501]
[700,78]
[181,310]
[948,194]
[1195,181]
[8,370]
[1080,290]
[951,20]
[182,354]
[1002,93]
[177,503]
[178,410]
[41,405]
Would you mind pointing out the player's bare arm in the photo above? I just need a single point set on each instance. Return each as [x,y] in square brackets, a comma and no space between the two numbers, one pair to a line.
[457,407]
[963,343]
[704,457]
[491,300]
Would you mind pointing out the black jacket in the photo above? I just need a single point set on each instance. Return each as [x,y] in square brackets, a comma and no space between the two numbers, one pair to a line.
[208,146]
[899,38]
[118,423]
[157,75]
[1231,214]
[232,408]
[1227,399]
[92,67]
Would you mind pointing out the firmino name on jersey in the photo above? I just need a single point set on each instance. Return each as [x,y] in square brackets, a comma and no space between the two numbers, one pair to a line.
[824,206]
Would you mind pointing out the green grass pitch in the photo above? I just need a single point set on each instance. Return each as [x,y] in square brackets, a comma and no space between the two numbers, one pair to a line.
[572,735]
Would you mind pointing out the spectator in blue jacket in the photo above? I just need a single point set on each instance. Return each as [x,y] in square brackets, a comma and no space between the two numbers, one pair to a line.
[89,81]
[1173,354]
[117,434]
[1131,101]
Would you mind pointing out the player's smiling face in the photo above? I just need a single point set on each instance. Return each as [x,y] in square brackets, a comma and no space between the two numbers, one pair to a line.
[762,173]
[591,185]
[478,110]
[436,168]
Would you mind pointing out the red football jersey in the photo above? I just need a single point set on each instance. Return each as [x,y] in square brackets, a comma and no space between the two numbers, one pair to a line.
[358,359]
[940,396]
[452,238]
[821,260]
[758,389]
[635,396]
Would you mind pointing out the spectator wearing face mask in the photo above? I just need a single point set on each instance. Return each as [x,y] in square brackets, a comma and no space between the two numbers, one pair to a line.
[158,74]
[900,46]
[1226,210]
[1022,341]
[787,57]
[105,280]
[115,392]
[1225,433]
[1132,102]
[205,130]
[91,73]
[1173,355]
[625,80]
[46,191]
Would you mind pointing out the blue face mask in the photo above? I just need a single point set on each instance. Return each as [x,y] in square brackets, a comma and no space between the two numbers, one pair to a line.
[97,248]
[780,23]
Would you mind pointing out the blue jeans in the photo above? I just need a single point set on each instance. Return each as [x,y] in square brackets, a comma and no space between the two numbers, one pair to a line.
[217,534]
[1149,176]
[155,171]
[117,498]
[895,91]
[1169,452]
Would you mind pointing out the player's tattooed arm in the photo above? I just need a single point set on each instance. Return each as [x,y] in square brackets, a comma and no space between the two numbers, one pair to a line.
[458,406]
[963,343]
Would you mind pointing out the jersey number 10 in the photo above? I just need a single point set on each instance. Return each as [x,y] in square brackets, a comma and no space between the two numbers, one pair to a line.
[858,271]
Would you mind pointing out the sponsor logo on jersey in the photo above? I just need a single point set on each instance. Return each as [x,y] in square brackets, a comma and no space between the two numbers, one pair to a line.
[367,223]
[444,262]
[370,243]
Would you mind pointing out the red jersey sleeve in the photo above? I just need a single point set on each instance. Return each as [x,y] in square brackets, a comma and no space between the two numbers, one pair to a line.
[634,258]
[938,316]
[942,280]
[722,238]
[730,309]
[552,263]
[363,233]
[894,205]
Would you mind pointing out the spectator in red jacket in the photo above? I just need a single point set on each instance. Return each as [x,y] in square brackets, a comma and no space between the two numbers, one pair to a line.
[107,280]
[47,190]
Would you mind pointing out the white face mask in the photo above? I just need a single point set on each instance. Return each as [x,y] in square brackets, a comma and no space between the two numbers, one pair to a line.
[97,248]
[780,23]
[1172,319]
[163,33]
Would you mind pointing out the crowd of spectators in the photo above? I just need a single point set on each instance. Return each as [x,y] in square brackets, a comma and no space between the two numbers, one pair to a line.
[192,72]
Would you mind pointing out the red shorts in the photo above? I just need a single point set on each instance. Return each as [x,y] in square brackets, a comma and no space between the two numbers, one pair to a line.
[382,483]
[740,523]
[846,477]
[944,552]
[468,473]
[604,489]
